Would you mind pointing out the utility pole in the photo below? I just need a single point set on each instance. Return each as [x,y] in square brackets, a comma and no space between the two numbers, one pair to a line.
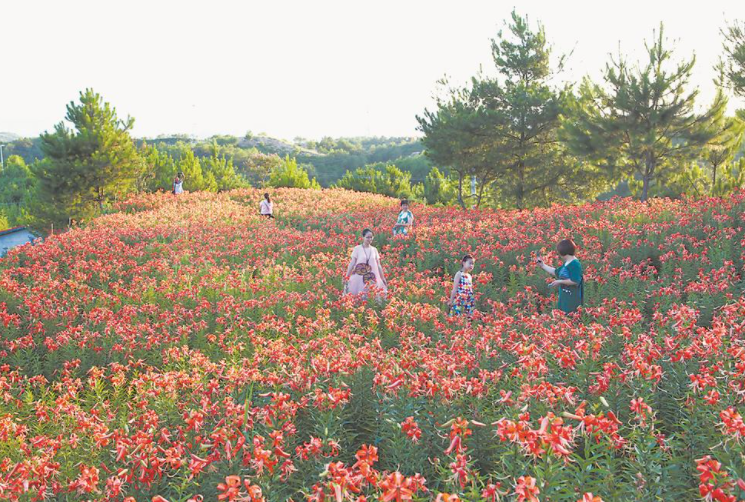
[473,191]
[2,161]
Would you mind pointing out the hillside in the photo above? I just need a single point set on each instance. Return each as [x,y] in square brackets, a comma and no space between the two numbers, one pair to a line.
[6,137]
[280,147]
[327,159]
[184,346]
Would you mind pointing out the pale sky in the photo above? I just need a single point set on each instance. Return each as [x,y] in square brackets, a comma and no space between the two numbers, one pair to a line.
[304,68]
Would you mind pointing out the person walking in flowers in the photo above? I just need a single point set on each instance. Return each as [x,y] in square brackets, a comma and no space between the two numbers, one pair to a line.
[569,278]
[266,207]
[178,184]
[365,269]
[462,299]
[405,220]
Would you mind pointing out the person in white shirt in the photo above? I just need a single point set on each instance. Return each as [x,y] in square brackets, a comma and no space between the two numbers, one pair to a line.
[266,208]
[178,184]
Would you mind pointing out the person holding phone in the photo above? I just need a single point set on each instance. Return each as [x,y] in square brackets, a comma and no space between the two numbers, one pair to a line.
[178,184]
[569,279]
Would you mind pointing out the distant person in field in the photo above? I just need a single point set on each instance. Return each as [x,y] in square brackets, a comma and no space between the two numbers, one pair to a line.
[178,184]
[462,299]
[365,270]
[266,208]
[404,221]
[569,278]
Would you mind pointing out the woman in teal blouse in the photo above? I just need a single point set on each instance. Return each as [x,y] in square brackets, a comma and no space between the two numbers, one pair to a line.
[404,221]
[568,277]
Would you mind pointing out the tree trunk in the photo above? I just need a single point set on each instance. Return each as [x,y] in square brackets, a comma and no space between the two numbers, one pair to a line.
[647,176]
[460,191]
[714,179]
[481,194]
[520,186]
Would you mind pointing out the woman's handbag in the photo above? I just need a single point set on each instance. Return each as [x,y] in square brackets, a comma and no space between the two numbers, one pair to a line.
[365,270]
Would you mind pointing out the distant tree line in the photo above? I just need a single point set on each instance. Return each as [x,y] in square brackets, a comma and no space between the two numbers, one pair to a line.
[90,160]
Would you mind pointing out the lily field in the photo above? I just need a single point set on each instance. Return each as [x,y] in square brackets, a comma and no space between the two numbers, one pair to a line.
[186,349]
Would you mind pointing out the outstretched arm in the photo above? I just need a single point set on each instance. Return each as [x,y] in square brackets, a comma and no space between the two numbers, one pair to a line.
[550,270]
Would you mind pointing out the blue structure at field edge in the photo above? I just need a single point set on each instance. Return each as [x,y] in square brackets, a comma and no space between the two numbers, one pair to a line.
[14,237]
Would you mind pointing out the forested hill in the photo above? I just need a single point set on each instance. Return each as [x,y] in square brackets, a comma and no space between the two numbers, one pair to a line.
[7,136]
[326,160]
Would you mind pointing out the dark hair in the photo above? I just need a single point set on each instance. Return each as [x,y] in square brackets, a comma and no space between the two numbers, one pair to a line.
[366,231]
[466,258]
[404,201]
[266,196]
[566,247]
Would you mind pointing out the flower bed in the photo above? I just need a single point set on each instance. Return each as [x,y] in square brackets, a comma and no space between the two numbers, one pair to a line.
[187,349]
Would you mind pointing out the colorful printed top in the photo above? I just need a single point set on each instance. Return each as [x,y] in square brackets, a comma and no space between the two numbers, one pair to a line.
[464,298]
[571,297]
[404,217]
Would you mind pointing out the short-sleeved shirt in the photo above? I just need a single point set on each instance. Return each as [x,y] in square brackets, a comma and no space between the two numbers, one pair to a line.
[404,217]
[570,297]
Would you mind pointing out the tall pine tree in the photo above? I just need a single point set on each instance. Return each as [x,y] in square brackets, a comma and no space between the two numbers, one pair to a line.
[504,130]
[642,123]
[88,165]
[451,141]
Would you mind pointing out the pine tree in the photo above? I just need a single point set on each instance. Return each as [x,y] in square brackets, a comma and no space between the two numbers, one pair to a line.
[194,177]
[642,121]
[160,170]
[721,151]
[504,130]
[17,183]
[290,175]
[437,188]
[733,65]
[17,191]
[385,179]
[450,141]
[222,170]
[88,165]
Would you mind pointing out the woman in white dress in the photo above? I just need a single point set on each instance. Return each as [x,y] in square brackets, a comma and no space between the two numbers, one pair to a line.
[365,269]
